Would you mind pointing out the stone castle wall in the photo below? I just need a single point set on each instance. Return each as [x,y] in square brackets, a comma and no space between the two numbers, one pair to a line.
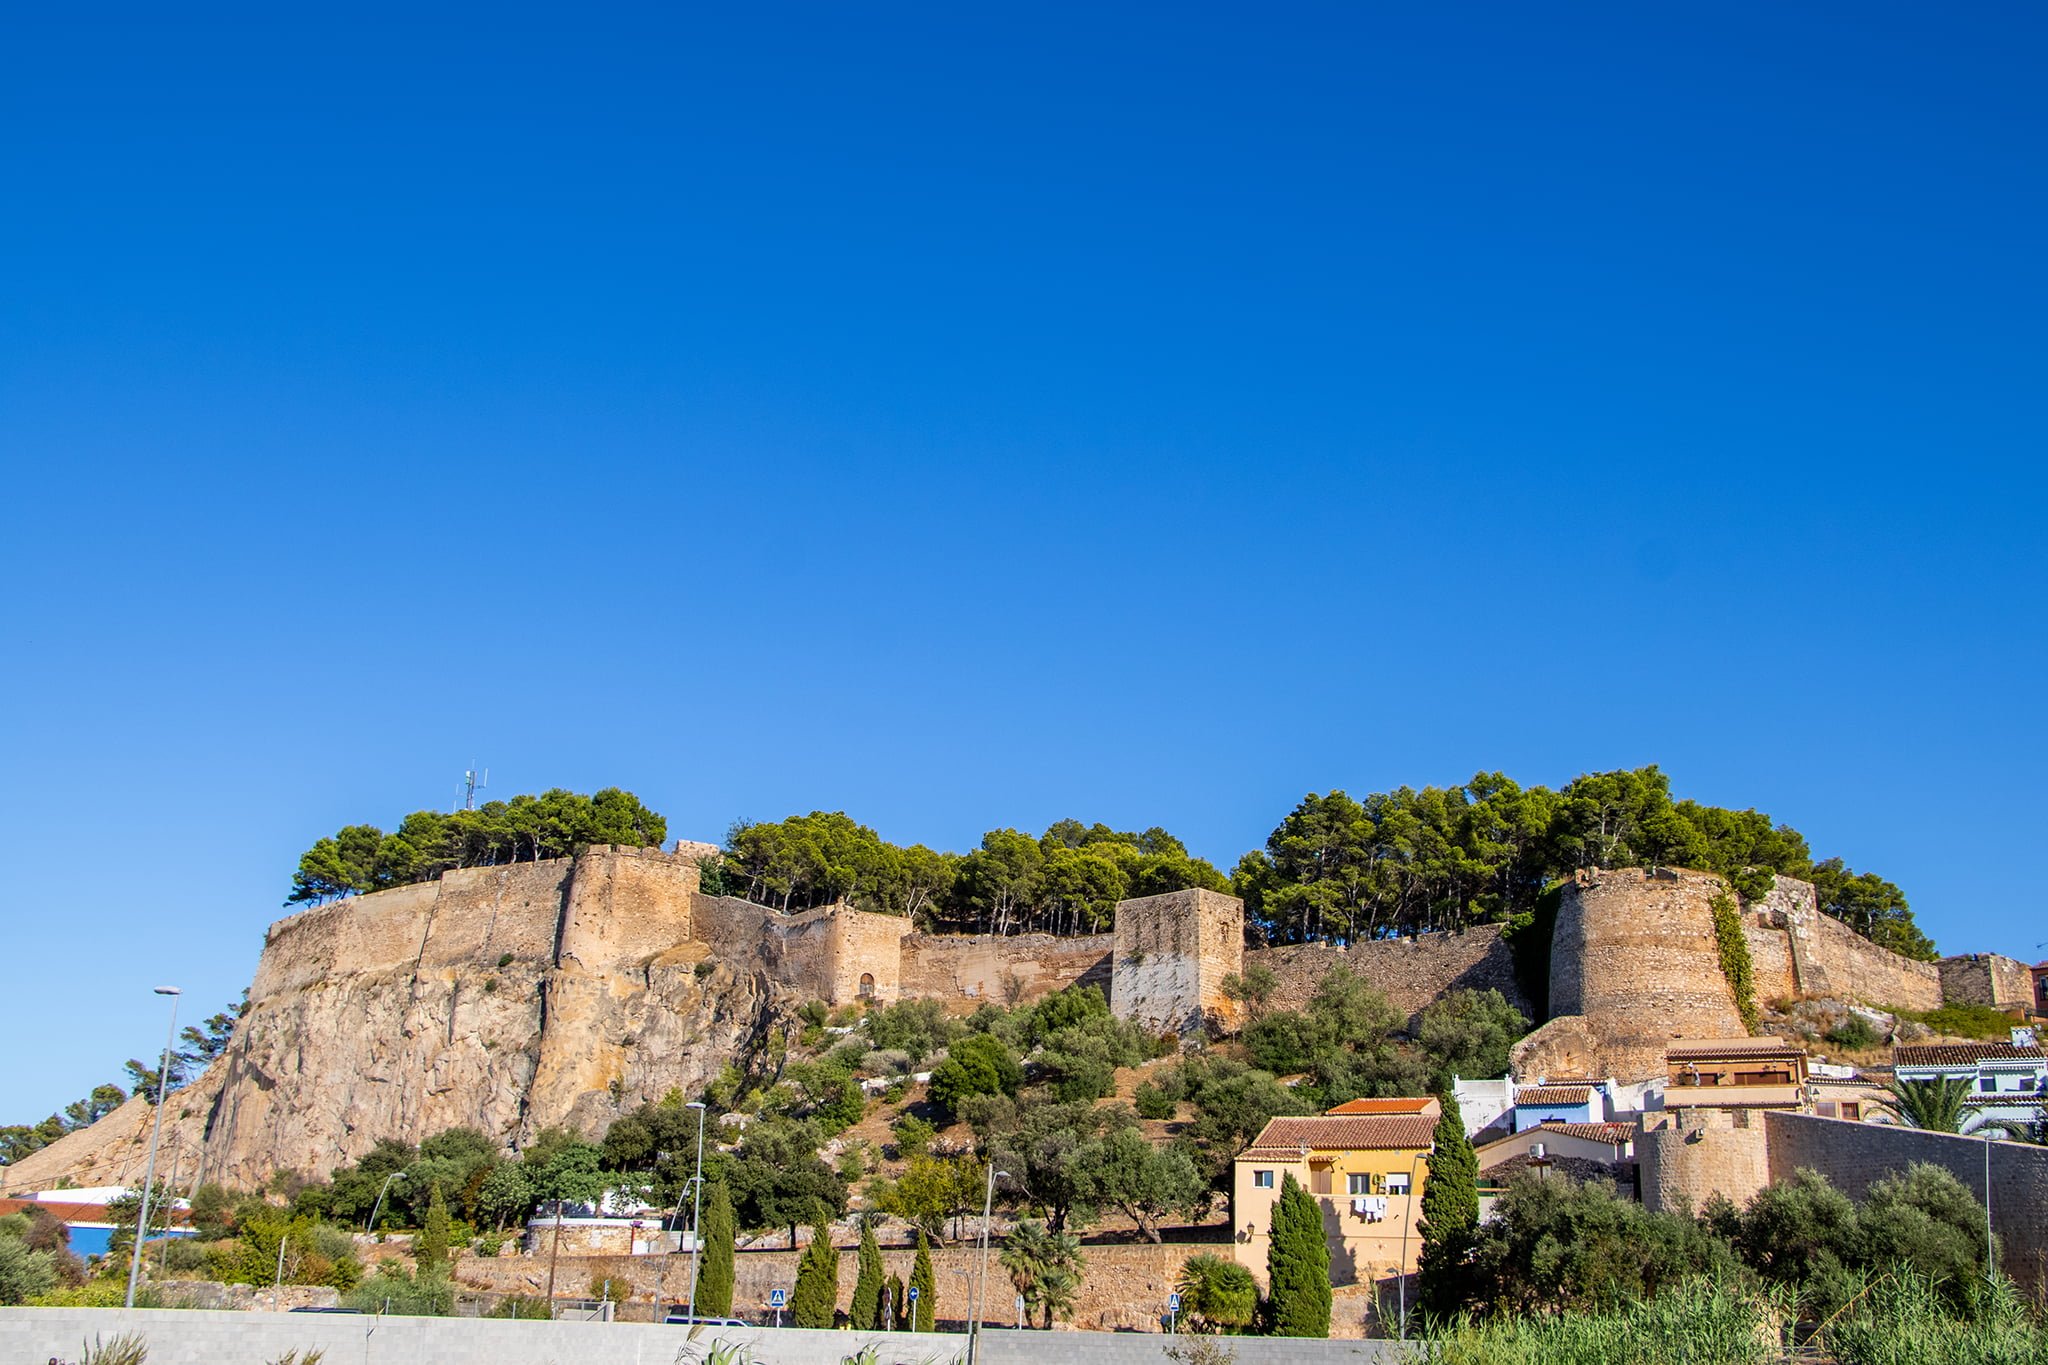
[1172,953]
[967,969]
[1991,979]
[1800,951]
[1680,1165]
[1410,972]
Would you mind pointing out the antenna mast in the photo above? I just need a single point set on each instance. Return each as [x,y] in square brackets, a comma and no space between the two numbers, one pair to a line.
[473,781]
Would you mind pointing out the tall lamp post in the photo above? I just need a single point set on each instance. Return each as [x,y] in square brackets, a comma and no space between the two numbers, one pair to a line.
[696,1206]
[988,1203]
[1407,1222]
[156,1124]
[378,1207]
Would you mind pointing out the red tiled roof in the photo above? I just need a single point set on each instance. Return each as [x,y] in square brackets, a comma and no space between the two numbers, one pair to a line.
[1349,1133]
[1591,1132]
[1962,1054]
[1710,1049]
[1553,1094]
[1398,1106]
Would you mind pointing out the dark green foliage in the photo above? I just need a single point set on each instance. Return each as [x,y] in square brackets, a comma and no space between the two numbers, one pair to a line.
[1152,1102]
[1555,1245]
[1045,1267]
[816,1296]
[1343,1040]
[1924,1220]
[1231,1102]
[1067,881]
[716,1272]
[778,1180]
[421,1295]
[868,1282]
[1298,1266]
[1442,858]
[1216,1295]
[1469,1033]
[431,1252]
[363,858]
[1802,1233]
[925,1283]
[980,1064]
[1450,1210]
[1736,966]
[917,1028]
[1855,1033]
[1907,1319]
[1963,1021]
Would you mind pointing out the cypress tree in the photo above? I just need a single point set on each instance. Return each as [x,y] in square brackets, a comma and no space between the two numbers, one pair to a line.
[893,1305]
[435,1235]
[923,1280]
[715,1274]
[867,1285]
[1298,1266]
[1450,1212]
[816,1297]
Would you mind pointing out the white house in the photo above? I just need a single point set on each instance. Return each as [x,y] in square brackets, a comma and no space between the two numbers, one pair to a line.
[2008,1081]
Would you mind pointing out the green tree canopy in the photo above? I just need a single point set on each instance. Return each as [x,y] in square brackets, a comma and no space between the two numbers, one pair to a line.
[1298,1266]
[716,1274]
[815,1299]
[362,858]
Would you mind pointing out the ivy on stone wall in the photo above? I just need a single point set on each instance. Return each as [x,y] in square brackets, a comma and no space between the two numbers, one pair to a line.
[1735,963]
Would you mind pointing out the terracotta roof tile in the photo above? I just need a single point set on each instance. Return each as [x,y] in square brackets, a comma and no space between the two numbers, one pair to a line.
[1352,1133]
[1962,1054]
[1592,1132]
[1397,1106]
[1553,1094]
[1702,1049]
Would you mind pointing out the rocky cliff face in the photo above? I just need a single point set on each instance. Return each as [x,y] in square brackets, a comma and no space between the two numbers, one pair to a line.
[503,999]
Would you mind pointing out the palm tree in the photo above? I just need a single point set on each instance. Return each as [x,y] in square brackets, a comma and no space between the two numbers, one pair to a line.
[1045,1267]
[1942,1104]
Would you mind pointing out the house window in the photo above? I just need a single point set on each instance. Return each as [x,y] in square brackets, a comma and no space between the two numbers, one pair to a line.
[1262,1180]
[867,985]
[1825,1108]
[1852,1109]
[1988,1085]
[1397,1183]
[1356,1183]
[1319,1180]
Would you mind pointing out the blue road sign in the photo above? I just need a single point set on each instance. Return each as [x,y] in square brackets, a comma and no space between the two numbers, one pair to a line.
[777,1298]
[913,1293]
[1173,1303]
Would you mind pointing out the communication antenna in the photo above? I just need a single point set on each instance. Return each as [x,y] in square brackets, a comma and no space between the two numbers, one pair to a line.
[473,781]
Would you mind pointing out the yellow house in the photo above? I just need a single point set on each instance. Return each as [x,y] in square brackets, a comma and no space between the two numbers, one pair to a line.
[1366,1171]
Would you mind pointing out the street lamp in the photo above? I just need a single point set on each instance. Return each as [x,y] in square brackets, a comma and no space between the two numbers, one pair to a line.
[696,1206]
[1407,1222]
[378,1207]
[988,1203]
[156,1124]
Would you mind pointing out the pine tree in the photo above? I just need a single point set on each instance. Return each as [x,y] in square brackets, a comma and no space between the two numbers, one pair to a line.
[1450,1212]
[715,1275]
[432,1253]
[817,1281]
[923,1281]
[893,1307]
[866,1311]
[1298,1266]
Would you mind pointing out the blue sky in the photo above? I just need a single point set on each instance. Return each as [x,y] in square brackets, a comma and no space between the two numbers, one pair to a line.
[974,419]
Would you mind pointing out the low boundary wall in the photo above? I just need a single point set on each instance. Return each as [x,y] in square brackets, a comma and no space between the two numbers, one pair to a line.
[179,1337]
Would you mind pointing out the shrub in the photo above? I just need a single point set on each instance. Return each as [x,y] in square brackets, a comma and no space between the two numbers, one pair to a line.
[1152,1102]
[1216,1294]
[1855,1033]
[978,1065]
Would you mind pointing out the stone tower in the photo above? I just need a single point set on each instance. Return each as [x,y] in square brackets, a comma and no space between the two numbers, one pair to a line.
[1171,956]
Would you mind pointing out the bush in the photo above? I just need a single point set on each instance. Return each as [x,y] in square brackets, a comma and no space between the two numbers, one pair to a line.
[1701,1322]
[1216,1294]
[978,1065]
[1902,1320]
[424,1295]
[1964,1021]
[1152,1102]
[1855,1033]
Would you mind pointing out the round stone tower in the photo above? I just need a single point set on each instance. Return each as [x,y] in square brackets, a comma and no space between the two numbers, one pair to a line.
[1633,965]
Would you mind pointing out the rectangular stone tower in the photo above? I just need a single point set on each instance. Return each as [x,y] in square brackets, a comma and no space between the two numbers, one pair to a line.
[1172,953]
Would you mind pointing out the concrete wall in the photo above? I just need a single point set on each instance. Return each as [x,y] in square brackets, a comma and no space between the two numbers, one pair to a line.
[1172,953]
[967,969]
[1987,979]
[1855,1155]
[223,1338]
